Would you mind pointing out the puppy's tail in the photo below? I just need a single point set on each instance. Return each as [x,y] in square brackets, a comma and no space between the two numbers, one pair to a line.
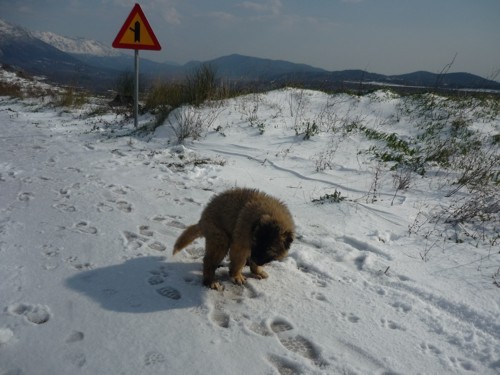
[189,235]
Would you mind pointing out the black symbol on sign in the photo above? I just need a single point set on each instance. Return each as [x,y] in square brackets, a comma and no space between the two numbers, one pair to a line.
[136,31]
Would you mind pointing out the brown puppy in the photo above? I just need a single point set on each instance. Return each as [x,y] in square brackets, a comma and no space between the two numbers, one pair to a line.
[252,226]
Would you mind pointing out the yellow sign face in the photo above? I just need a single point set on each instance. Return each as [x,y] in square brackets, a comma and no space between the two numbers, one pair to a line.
[136,33]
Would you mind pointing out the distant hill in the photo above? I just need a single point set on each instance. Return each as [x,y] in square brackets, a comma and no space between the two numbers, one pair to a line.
[449,80]
[93,65]
[423,80]
[22,50]
[252,68]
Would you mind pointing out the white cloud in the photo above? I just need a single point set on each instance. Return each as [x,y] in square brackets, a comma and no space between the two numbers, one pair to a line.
[267,6]
[171,16]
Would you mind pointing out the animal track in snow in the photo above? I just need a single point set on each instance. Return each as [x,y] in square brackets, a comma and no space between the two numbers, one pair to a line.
[392,325]
[36,314]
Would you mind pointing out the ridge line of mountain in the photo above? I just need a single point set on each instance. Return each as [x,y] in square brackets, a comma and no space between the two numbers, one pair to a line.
[96,66]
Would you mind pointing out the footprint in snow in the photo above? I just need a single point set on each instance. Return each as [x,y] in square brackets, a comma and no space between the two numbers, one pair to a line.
[103,207]
[77,265]
[5,335]
[158,278]
[296,343]
[76,359]
[84,227]
[120,190]
[429,348]
[36,314]
[392,325]
[220,317]
[169,292]
[132,240]
[232,294]
[401,307]
[63,207]
[351,317]
[25,196]
[158,246]
[146,231]
[319,296]
[75,336]
[124,206]
[153,358]
[284,366]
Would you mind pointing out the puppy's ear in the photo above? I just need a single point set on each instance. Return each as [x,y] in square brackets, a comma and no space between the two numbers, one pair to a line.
[265,237]
[265,230]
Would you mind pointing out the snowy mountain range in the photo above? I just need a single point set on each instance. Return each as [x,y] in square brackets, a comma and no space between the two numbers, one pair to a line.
[78,46]
[94,65]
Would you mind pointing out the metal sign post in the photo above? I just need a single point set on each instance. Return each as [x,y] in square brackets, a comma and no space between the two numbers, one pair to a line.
[136,88]
[136,34]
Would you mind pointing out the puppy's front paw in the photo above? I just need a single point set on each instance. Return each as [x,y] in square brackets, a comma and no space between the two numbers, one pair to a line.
[215,285]
[261,274]
[258,271]
[239,279]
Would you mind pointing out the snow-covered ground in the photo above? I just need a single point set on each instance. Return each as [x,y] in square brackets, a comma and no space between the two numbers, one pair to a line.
[88,218]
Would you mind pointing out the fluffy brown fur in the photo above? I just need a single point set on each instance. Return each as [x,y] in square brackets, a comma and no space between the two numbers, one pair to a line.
[252,226]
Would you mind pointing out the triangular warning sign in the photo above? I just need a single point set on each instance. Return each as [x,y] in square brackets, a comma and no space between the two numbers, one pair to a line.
[136,32]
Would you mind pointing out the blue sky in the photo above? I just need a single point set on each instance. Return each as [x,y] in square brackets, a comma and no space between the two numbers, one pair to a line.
[381,36]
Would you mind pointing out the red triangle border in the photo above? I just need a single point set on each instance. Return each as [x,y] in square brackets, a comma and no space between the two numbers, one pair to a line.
[136,10]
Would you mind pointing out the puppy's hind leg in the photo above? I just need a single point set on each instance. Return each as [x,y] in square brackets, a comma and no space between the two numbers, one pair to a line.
[216,247]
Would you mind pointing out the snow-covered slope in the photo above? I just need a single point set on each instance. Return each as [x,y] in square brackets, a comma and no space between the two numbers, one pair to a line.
[76,45]
[10,31]
[89,214]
